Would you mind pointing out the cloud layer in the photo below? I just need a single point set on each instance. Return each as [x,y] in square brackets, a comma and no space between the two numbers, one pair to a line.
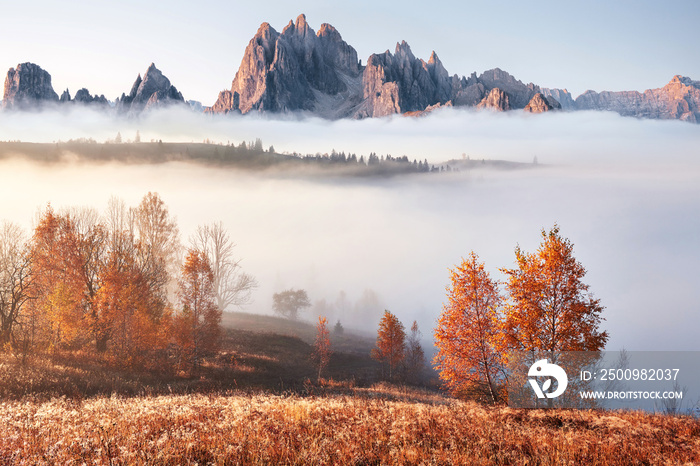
[625,191]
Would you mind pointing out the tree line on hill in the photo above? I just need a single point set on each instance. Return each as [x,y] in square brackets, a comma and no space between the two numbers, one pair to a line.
[248,155]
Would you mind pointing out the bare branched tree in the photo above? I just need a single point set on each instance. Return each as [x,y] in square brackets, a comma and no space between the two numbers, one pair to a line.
[159,248]
[232,286]
[15,276]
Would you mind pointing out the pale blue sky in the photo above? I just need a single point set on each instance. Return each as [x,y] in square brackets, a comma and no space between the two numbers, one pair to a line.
[600,45]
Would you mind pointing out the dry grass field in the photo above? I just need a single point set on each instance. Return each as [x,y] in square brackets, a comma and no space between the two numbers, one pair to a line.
[255,404]
[379,425]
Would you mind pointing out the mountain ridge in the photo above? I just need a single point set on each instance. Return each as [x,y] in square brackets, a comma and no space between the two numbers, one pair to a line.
[318,73]
[399,83]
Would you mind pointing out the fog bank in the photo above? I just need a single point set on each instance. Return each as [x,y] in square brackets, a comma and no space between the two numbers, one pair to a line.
[590,138]
[626,192]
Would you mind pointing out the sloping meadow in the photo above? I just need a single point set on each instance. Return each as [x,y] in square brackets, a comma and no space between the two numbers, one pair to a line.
[375,426]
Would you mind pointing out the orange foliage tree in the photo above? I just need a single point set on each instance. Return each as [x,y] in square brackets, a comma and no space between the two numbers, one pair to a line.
[551,309]
[391,342]
[468,331]
[102,281]
[133,322]
[198,325]
[63,300]
[321,354]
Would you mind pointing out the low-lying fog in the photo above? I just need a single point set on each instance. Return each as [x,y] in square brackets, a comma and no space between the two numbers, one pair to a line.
[626,192]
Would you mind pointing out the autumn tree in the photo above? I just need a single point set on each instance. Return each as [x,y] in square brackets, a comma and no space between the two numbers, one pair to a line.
[90,250]
[133,323]
[321,354]
[415,356]
[158,245]
[550,307]
[289,302]
[391,343]
[199,321]
[133,330]
[15,280]
[232,286]
[59,283]
[468,331]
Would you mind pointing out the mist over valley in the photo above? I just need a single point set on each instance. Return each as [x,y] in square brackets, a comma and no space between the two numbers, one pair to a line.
[624,191]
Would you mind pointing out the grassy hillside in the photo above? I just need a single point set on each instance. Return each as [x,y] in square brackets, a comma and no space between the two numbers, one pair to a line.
[257,402]
[348,341]
[257,353]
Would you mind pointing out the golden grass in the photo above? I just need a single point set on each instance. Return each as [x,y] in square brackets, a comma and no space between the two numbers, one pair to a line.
[365,428]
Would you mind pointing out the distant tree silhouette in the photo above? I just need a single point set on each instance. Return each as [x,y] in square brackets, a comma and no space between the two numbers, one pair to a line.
[289,302]
[415,356]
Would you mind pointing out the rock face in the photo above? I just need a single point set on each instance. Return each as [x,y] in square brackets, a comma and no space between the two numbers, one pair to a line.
[83,96]
[679,99]
[65,97]
[319,73]
[292,70]
[540,104]
[562,96]
[496,100]
[519,94]
[27,86]
[154,90]
[402,83]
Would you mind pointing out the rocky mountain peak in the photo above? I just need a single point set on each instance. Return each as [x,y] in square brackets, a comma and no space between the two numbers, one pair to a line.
[496,100]
[328,32]
[519,94]
[301,26]
[153,90]
[434,59]
[298,69]
[403,51]
[27,86]
[540,104]
[65,97]
[135,86]
[291,70]
[679,81]
[401,83]
[83,96]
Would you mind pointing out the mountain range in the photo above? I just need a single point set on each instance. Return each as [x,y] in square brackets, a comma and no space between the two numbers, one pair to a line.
[318,73]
